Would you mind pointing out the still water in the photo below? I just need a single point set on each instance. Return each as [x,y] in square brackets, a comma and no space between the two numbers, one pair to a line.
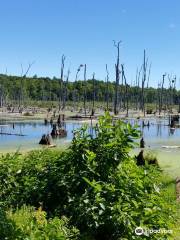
[157,135]
[32,131]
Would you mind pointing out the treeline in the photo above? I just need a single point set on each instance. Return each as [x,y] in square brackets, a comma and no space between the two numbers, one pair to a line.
[20,90]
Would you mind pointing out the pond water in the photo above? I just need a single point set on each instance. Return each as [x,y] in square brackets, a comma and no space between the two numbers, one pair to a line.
[157,135]
[32,131]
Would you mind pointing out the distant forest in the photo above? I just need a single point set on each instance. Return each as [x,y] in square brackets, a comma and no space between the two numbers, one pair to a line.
[18,90]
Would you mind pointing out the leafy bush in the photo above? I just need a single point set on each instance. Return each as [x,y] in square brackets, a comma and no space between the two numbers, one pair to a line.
[32,179]
[109,195]
[28,223]
[6,226]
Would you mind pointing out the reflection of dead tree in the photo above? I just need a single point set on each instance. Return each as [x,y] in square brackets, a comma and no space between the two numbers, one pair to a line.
[116,45]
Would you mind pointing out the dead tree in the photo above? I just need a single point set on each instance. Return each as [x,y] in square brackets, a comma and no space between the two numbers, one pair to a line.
[147,87]
[145,63]
[172,87]
[122,93]
[138,88]
[84,92]
[61,82]
[65,89]
[126,97]
[93,95]
[161,95]
[107,88]
[75,93]
[23,76]
[117,71]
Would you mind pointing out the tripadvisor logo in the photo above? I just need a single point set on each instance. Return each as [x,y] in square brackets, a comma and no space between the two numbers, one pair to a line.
[140,231]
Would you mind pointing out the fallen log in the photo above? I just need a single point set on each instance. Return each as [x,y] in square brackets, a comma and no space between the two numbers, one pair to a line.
[14,134]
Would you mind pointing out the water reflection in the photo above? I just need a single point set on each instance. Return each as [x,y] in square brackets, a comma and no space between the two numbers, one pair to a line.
[155,132]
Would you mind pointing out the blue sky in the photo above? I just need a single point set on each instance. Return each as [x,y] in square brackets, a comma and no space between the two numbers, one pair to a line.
[84,30]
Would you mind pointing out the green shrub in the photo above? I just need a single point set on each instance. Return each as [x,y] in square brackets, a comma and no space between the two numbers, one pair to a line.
[33,225]
[116,195]
[6,226]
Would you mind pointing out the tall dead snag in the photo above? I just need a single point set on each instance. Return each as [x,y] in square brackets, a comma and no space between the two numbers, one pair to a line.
[138,73]
[145,61]
[172,87]
[93,96]
[139,89]
[122,93]
[65,89]
[85,90]
[61,82]
[147,86]
[161,95]
[107,88]
[23,76]
[159,98]
[126,97]
[75,92]
[117,71]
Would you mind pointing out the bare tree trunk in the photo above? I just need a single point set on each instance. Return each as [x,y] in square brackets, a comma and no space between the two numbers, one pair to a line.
[143,83]
[161,95]
[117,78]
[126,97]
[107,88]
[23,76]
[61,82]
[85,89]
[65,90]
[93,99]
[75,94]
